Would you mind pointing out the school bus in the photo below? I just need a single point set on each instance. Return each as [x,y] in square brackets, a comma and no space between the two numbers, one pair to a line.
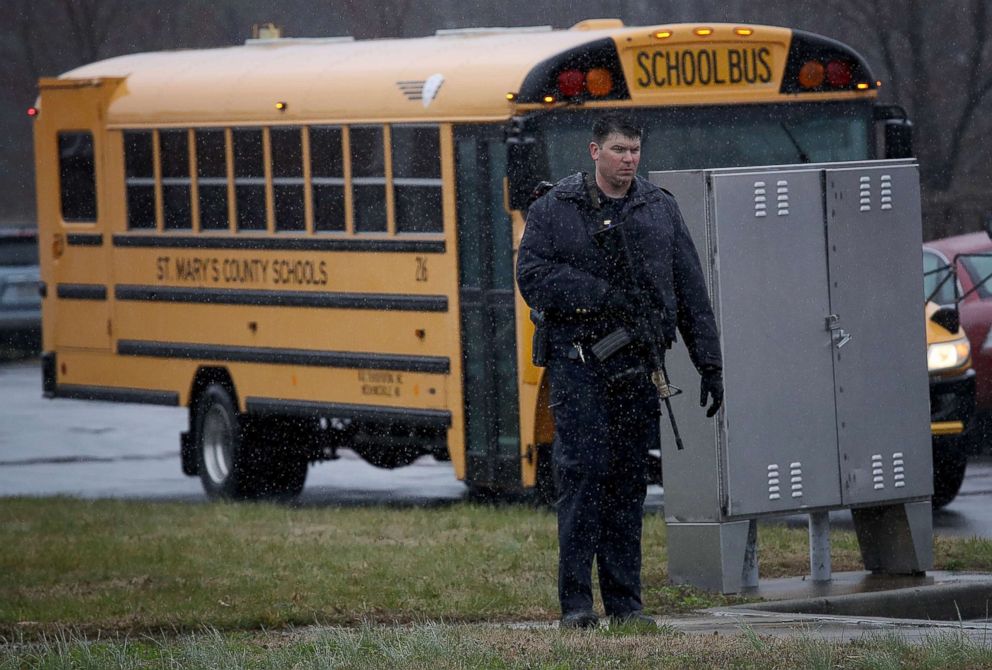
[310,242]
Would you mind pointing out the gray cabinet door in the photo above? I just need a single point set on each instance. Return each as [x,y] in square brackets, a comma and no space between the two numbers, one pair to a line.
[780,424]
[883,412]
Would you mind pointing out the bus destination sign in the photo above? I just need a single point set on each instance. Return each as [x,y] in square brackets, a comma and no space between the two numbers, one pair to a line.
[680,67]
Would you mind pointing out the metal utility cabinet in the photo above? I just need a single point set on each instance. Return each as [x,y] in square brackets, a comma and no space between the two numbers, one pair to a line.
[814,275]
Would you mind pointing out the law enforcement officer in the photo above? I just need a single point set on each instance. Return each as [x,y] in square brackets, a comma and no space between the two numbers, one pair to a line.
[598,252]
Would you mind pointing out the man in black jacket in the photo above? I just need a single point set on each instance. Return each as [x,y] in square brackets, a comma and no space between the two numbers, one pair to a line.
[597,251]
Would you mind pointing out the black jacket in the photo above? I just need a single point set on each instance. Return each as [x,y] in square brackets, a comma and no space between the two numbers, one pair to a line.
[565,274]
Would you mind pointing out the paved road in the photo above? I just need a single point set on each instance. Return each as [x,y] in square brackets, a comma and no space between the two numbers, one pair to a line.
[99,450]
[96,450]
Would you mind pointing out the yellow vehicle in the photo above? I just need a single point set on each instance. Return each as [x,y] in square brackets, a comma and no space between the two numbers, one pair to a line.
[952,399]
[309,243]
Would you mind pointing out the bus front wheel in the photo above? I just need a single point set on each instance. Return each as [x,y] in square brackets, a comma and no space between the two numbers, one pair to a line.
[950,460]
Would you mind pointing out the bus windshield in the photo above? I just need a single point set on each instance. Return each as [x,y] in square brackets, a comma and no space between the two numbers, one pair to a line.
[680,138]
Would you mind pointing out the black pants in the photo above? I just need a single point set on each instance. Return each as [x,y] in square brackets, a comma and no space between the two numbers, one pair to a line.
[603,431]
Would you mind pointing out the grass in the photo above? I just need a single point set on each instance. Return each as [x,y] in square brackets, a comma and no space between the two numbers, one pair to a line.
[95,584]
[437,646]
[146,567]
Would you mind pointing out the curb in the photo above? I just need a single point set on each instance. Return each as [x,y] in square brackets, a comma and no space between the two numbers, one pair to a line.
[937,602]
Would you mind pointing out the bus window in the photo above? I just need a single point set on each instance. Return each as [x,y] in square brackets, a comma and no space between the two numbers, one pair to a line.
[416,152]
[685,138]
[249,178]
[77,176]
[139,178]
[287,178]
[211,178]
[327,179]
[368,179]
[177,213]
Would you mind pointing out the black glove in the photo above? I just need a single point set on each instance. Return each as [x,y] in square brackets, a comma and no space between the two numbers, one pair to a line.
[711,384]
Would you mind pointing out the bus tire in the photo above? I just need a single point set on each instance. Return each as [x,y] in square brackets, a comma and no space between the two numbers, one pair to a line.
[950,461]
[225,463]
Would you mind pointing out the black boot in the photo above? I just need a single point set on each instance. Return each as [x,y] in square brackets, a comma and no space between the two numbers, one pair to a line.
[580,619]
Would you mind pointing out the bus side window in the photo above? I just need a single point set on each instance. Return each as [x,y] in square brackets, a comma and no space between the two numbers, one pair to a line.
[177,213]
[287,178]
[139,178]
[249,178]
[416,153]
[211,178]
[327,179]
[77,177]
[368,178]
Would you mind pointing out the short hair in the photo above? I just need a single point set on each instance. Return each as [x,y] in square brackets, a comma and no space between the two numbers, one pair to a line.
[614,122]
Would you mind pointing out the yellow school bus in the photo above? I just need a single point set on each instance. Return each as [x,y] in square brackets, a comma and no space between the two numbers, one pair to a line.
[310,242]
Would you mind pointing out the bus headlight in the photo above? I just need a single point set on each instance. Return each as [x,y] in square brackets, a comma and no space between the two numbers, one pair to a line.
[948,355]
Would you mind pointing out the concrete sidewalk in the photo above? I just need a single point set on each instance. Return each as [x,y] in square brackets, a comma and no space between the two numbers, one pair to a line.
[856,604]
[853,605]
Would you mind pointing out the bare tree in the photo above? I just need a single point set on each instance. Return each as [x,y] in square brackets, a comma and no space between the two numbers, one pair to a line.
[937,62]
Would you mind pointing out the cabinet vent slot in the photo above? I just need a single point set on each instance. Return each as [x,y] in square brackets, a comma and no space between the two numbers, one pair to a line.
[877,472]
[898,468]
[782,196]
[865,194]
[760,199]
[885,192]
[774,490]
[796,478]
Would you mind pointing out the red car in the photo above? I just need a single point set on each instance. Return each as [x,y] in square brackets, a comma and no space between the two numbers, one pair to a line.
[972,256]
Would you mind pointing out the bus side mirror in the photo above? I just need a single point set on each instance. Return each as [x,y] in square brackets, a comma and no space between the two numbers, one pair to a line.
[525,167]
[898,138]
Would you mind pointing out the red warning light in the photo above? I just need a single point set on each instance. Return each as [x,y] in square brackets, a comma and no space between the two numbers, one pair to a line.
[839,74]
[571,83]
[32,111]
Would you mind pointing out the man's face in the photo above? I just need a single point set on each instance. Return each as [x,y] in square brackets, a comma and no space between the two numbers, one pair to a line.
[616,159]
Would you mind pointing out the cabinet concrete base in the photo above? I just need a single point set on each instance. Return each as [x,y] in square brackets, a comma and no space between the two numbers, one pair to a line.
[710,556]
[895,539]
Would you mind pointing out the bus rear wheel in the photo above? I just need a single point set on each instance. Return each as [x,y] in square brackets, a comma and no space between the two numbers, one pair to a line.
[221,446]
[239,459]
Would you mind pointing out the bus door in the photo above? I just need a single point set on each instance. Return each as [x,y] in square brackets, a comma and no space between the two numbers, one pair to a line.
[73,234]
[486,293]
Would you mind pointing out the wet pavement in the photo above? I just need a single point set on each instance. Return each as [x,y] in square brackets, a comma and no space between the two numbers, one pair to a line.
[101,449]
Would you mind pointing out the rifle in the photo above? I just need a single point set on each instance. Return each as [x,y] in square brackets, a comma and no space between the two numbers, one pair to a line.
[647,320]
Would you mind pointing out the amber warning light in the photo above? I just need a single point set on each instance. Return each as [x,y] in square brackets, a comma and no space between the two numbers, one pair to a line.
[597,82]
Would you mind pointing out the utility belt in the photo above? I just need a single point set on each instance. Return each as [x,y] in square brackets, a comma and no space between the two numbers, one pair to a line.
[554,334]
[617,357]
[602,348]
